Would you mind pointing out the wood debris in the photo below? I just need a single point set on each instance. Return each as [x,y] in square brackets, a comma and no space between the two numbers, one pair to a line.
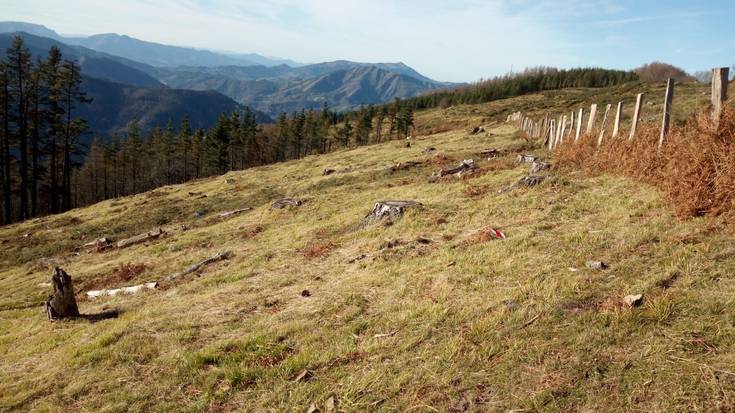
[150,235]
[193,268]
[122,290]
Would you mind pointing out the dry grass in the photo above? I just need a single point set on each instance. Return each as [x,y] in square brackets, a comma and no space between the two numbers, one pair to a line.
[439,326]
[695,167]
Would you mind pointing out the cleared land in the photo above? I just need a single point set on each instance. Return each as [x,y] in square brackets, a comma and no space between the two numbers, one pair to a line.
[435,316]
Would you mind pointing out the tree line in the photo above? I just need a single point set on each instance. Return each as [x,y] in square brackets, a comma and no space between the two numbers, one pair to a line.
[531,80]
[39,134]
[138,162]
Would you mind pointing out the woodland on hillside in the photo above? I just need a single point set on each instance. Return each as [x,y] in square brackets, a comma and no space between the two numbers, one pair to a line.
[46,170]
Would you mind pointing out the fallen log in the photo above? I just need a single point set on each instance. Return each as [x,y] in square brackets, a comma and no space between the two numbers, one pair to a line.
[99,244]
[389,209]
[61,304]
[282,203]
[466,166]
[403,165]
[193,268]
[123,290]
[156,233]
[477,129]
[328,171]
[235,212]
[490,153]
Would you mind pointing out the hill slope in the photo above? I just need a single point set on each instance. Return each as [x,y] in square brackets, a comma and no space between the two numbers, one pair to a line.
[115,105]
[425,314]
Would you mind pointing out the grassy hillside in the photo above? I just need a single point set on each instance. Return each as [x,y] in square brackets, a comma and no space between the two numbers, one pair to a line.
[435,316]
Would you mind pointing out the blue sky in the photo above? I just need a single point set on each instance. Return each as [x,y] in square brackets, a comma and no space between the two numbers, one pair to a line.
[462,40]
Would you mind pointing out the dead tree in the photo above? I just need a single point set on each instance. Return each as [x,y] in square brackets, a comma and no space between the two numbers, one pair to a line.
[61,304]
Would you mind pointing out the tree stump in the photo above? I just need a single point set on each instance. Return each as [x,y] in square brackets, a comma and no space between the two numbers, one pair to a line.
[284,202]
[61,304]
[538,166]
[526,158]
[389,209]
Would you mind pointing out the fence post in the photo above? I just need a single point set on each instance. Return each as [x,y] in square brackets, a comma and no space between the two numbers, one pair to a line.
[636,115]
[666,123]
[591,122]
[551,134]
[558,132]
[604,124]
[616,128]
[579,124]
[571,125]
[563,129]
[720,77]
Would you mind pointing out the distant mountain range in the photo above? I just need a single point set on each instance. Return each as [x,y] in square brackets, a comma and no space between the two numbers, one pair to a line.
[135,79]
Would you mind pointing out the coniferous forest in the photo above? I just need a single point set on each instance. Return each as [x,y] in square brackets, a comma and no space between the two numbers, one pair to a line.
[46,169]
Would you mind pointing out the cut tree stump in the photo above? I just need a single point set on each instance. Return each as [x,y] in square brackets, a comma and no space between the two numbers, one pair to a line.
[156,233]
[539,166]
[328,171]
[526,158]
[284,202]
[389,209]
[61,304]
[529,181]
[193,268]
[123,290]
[235,212]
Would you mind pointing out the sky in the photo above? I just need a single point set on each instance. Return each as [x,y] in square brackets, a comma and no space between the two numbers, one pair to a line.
[459,41]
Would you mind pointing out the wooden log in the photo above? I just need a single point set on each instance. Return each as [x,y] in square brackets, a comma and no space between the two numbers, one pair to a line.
[591,121]
[150,235]
[62,303]
[193,268]
[666,122]
[618,114]
[100,244]
[123,290]
[284,202]
[235,212]
[636,115]
[389,209]
[464,166]
[579,124]
[604,124]
[720,77]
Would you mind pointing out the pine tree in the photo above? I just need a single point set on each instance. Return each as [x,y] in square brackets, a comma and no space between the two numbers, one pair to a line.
[19,68]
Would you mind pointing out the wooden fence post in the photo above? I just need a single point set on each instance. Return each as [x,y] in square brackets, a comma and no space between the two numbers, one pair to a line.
[604,124]
[591,122]
[551,134]
[558,132]
[616,127]
[720,76]
[571,125]
[579,124]
[636,115]
[666,123]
